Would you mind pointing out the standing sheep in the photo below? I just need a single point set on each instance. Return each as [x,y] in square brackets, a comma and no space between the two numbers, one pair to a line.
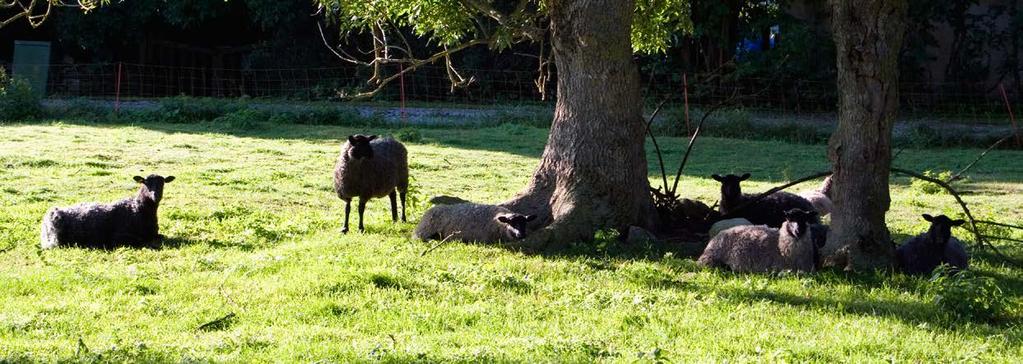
[369,167]
[769,211]
[763,249]
[472,222]
[820,198]
[922,253]
[126,222]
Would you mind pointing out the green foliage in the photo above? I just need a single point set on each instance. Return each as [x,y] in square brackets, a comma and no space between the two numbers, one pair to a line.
[245,119]
[408,135]
[927,187]
[967,296]
[17,100]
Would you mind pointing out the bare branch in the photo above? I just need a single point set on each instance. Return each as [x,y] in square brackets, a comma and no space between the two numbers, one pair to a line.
[412,64]
[657,148]
[958,175]
[346,57]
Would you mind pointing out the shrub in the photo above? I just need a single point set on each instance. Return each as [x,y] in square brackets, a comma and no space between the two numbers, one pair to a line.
[407,134]
[17,100]
[244,119]
[184,109]
[929,188]
[964,295]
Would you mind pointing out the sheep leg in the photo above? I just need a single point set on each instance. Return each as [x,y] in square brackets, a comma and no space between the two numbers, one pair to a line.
[394,206]
[402,194]
[348,210]
[362,208]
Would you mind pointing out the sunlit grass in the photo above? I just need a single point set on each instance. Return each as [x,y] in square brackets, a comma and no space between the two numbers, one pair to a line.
[254,231]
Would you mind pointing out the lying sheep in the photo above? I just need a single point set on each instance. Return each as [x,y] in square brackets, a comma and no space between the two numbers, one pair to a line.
[367,168]
[472,222]
[922,253]
[763,249]
[820,198]
[726,224]
[129,221]
[769,210]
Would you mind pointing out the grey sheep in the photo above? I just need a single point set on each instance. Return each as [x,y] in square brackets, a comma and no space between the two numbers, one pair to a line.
[369,167]
[129,221]
[763,249]
[922,253]
[472,222]
[726,224]
[821,197]
[768,211]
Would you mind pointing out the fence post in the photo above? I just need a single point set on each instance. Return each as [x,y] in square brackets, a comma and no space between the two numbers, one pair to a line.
[117,90]
[401,77]
[1012,118]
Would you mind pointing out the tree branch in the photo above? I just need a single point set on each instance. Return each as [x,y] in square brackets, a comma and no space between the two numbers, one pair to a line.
[958,175]
[657,148]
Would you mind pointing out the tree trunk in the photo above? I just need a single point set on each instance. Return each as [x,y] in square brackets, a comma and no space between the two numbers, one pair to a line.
[868,35]
[593,172]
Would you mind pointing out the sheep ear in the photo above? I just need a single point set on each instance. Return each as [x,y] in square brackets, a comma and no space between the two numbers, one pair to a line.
[957,222]
[717,177]
[503,219]
[530,218]
[744,177]
[168,179]
[139,179]
[928,217]
[351,138]
[371,137]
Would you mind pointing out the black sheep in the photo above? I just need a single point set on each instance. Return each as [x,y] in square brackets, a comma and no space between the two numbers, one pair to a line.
[922,253]
[369,167]
[129,221]
[769,211]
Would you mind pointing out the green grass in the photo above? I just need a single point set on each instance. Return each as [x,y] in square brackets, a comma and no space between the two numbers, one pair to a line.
[253,228]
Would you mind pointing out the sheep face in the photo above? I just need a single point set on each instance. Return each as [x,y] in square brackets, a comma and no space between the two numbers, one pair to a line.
[941,228]
[801,221]
[360,148]
[152,186]
[515,224]
[730,185]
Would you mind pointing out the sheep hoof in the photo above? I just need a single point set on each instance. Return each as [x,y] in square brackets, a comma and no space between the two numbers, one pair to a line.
[344,230]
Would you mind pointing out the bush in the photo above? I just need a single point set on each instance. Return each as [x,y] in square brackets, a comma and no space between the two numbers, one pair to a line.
[323,115]
[929,188]
[17,100]
[407,134]
[244,119]
[964,295]
[184,109]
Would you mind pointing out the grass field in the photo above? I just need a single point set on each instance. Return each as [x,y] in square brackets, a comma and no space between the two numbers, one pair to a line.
[255,269]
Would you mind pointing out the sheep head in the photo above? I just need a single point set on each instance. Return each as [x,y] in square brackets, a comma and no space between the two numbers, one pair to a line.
[730,189]
[941,228]
[799,221]
[359,147]
[152,186]
[515,224]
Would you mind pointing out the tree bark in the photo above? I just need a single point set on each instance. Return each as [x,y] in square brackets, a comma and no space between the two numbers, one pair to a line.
[868,35]
[593,171]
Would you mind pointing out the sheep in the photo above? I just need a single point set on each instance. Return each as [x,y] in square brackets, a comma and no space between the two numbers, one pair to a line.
[820,198]
[726,224]
[768,211]
[760,248]
[129,221]
[922,253]
[369,167]
[472,222]
[447,200]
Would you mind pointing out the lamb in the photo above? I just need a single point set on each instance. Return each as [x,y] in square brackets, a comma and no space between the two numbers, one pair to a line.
[472,222]
[768,211]
[129,221]
[763,249]
[369,167]
[820,198]
[921,254]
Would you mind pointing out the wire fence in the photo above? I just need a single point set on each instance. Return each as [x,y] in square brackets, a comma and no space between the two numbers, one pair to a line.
[431,84]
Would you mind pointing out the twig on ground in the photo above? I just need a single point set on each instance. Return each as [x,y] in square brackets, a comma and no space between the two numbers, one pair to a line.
[218,323]
[438,244]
